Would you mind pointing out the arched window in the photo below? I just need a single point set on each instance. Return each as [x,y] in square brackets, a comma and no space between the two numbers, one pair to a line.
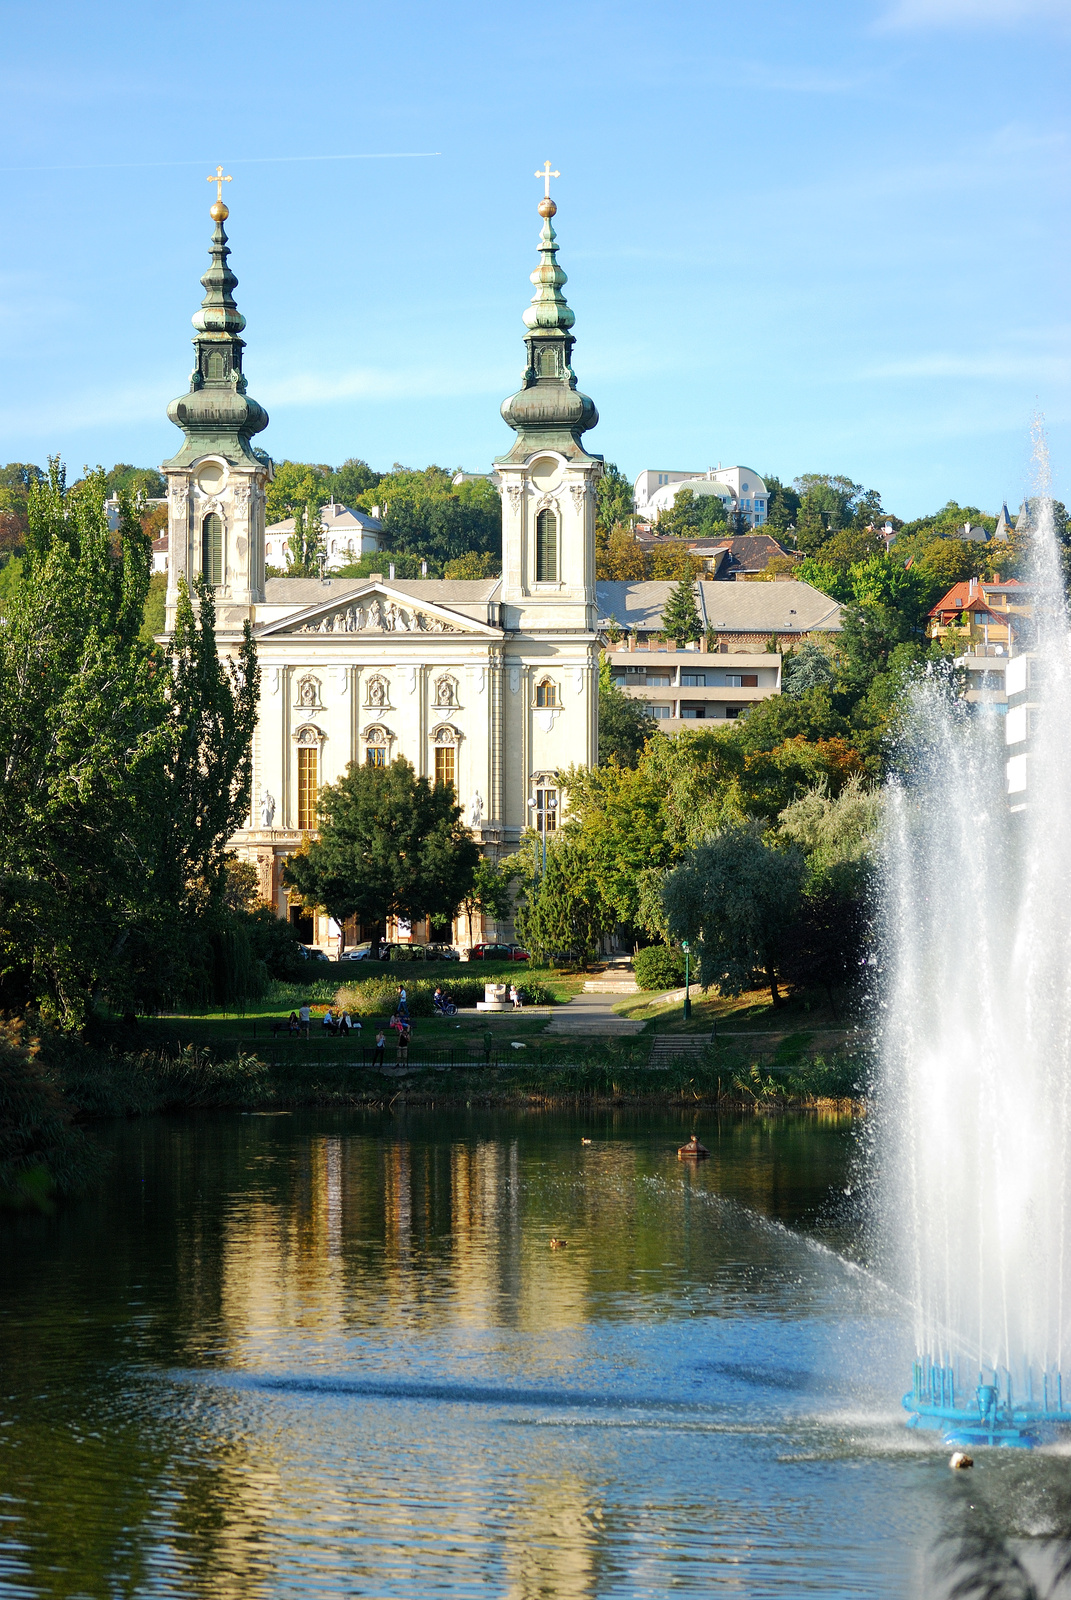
[308,783]
[212,549]
[215,364]
[375,752]
[546,547]
[547,693]
[446,756]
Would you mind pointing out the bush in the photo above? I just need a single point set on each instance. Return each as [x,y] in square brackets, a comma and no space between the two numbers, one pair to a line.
[376,997]
[659,967]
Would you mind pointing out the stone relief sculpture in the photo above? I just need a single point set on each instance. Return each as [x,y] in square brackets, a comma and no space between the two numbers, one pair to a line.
[353,619]
[378,692]
[577,492]
[476,810]
[444,692]
[309,735]
[267,810]
[375,616]
[307,692]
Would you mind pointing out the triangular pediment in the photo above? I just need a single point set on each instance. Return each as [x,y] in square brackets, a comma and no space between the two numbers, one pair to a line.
[377,609]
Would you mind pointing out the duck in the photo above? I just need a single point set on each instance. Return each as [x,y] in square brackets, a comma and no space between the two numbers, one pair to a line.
[558,1244]
[961,1461]
[585,1141]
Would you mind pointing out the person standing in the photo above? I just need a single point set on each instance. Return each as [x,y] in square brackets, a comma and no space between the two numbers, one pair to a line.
[403,1047]
[377,1054]
[305,1017]
[403,1003]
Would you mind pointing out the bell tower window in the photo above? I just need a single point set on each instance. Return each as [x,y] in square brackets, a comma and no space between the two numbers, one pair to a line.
[212,549]
[546,547]
[215,364]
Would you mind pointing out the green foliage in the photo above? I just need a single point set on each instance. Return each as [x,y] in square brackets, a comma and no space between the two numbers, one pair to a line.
[694,516]
[124,774]
[474,566]
[613,498]
[424,513]
[376,994]
[782,507]
[680,617]
[624,726]
[659,967]
[390,844]
[406,567]
[41,1152]
[829,504]
[738,897]
[154,613]
[492,889]
[137,483]
[626,827]
[561,913]
[11,572]
[351,480]
[293,484]
[306,543]
[809,667]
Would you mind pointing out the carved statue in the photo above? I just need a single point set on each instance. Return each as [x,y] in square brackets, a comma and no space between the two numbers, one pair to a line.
[377,693]
[476,810]
[307,694]
[445,692]
[267,810]
[375,616]
[390,622]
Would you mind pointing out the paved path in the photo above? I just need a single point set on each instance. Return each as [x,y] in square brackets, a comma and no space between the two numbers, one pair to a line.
[591,1014]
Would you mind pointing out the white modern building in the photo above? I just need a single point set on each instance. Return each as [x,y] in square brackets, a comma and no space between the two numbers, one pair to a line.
[738,488]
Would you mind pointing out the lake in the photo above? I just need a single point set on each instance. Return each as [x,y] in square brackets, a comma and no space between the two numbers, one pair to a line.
[335,1353]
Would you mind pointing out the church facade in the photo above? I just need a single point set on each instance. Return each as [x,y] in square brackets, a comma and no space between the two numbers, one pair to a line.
[491,686]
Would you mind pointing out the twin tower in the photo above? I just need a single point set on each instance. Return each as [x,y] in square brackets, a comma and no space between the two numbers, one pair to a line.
[216,480]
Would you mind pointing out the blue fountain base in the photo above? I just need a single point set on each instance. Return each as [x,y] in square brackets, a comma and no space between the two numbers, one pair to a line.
[987,1415]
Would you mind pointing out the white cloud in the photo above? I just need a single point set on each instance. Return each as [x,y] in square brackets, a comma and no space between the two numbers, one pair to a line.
[909,15]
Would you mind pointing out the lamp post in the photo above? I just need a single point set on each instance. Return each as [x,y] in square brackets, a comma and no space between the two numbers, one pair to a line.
[687,996]
[547,809]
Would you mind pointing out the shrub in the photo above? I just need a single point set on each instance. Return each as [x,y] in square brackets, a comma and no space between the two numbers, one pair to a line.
[659,967]
[376,997]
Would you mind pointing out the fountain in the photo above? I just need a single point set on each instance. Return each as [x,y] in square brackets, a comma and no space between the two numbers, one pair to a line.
[972,1127]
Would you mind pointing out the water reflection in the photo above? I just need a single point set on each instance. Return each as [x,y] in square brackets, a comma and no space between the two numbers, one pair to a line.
[334,1354]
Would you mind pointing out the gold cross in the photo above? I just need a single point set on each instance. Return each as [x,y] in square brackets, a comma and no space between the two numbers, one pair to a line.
[219,180]
[546,175]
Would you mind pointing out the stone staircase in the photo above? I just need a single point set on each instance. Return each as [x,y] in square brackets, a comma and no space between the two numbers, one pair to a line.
[666,1048]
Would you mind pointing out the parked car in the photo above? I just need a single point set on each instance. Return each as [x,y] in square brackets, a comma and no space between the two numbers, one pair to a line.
[442,952]
[498,952]
[359,952]
[403,952]
[309,952]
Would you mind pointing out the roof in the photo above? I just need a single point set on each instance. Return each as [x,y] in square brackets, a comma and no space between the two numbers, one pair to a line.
[788,607]
[434,591]
[969,596]
[336,518]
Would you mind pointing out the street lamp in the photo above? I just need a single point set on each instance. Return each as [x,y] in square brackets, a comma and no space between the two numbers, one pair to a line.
[687,996]
[543,812]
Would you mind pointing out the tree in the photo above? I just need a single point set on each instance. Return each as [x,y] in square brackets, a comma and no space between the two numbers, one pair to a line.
[491,893]
[737,897]
[619,556]
[139,483]
[561,912]
[809,667]
[621,818]
[680,617]
[390,845]
[352,479]
[668,561]
[782,508]
[624,726]
[307,540]
[425,513]
[693,516]
[292,484]
[474,565]
[613,499]
[124,771]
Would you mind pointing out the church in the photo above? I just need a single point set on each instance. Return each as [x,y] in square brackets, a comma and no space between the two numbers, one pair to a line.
[491,686]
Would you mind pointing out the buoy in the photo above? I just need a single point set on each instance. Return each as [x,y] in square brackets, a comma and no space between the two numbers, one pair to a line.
[558,1244]
[692,1151]
[961,1461]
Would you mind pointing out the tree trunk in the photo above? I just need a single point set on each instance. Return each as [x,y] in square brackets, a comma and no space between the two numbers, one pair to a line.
[776,998]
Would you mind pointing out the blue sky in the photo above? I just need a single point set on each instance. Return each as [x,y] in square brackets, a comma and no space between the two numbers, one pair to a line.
[801,236]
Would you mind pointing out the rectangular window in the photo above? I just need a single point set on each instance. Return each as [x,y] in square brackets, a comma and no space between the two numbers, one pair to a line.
[659,680]
[444,764]
[306,786]
[546,547]
[659,712]
[549,819]
[693,680]
[375,756]
[733,711]
[212,550]
[546,693]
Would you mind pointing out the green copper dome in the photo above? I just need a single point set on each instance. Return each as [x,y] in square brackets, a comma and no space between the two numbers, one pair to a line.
[548,412]
[217,416]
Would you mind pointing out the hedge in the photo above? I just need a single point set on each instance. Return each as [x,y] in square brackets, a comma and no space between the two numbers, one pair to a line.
[376,997]
[659,967]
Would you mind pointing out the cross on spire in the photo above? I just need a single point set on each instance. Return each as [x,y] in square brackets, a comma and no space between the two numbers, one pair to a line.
[219,180]
[546,175]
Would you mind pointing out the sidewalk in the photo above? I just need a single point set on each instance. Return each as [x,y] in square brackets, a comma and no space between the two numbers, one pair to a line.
[591,1014]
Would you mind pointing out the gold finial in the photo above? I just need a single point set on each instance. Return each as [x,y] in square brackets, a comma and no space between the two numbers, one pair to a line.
[219,212]
[546,206]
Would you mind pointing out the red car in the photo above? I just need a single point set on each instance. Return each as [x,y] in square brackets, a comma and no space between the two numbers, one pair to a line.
[498,952]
